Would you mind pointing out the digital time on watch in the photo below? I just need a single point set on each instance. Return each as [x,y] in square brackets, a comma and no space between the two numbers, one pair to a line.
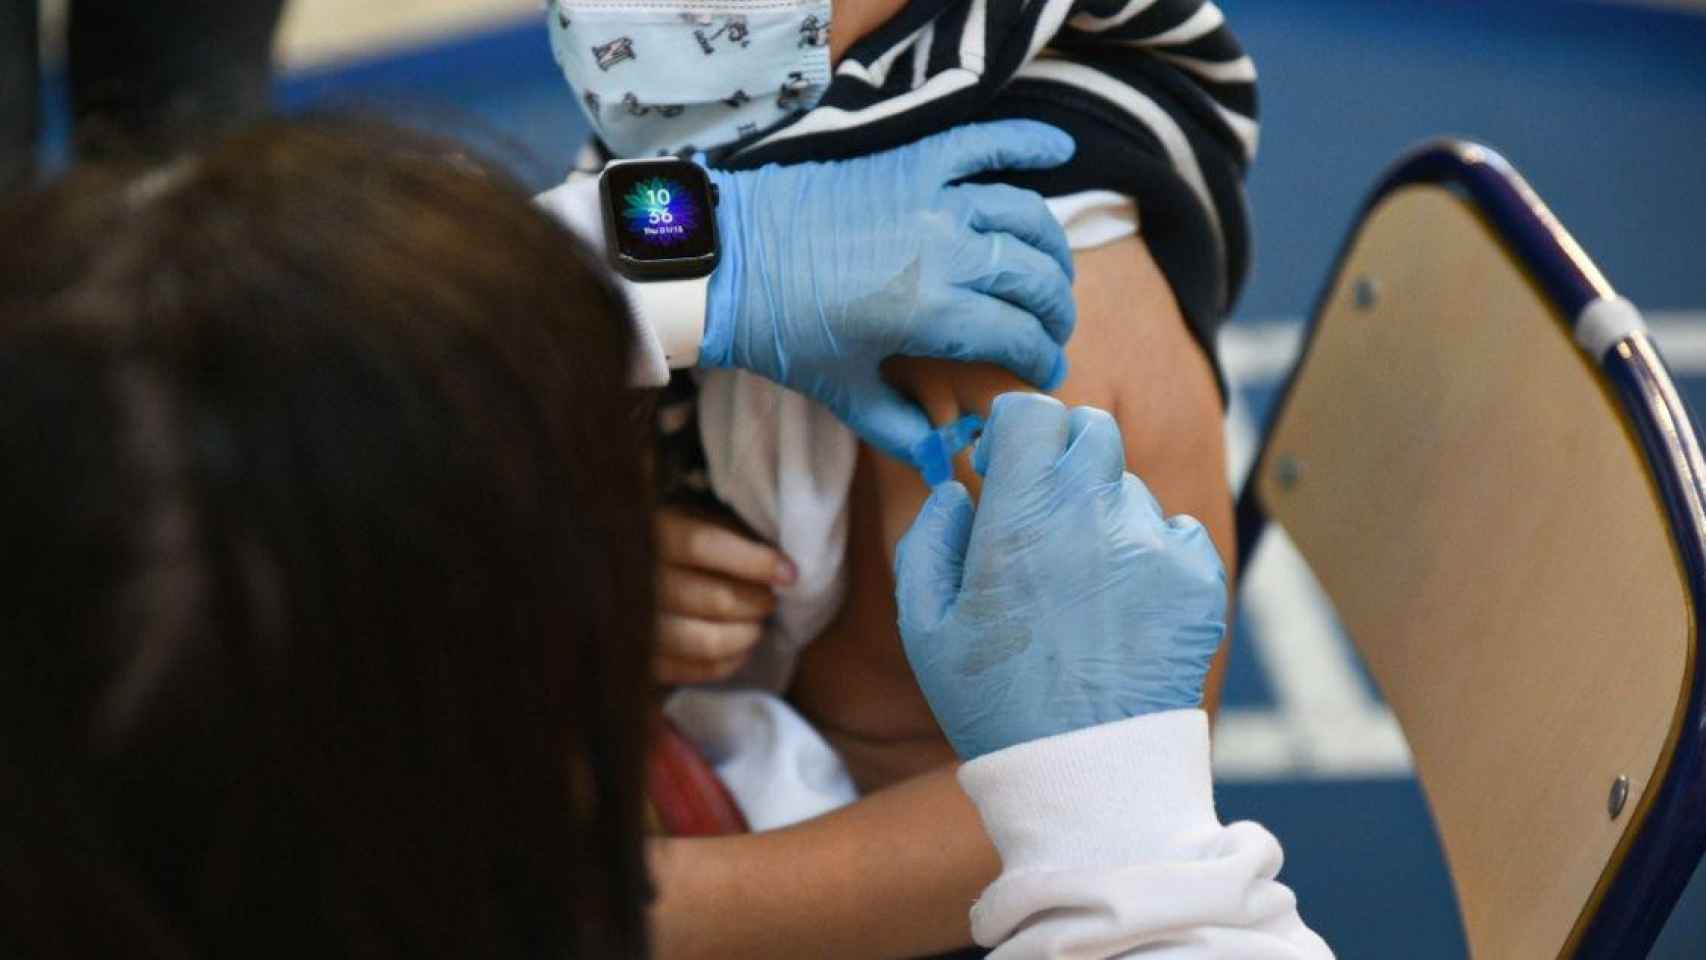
[660,219]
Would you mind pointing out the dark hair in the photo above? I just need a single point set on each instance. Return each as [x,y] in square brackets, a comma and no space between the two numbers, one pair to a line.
[329,587]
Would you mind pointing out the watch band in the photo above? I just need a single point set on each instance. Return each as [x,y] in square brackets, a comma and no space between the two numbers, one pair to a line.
[675,310]
[669,315]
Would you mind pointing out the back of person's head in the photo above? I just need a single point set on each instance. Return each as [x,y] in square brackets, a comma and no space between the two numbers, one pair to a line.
[328,588]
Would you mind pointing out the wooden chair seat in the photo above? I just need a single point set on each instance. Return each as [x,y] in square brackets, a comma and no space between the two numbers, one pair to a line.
[1510,544]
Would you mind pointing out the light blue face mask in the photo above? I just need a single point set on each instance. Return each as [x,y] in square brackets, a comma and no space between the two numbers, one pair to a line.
[664,76]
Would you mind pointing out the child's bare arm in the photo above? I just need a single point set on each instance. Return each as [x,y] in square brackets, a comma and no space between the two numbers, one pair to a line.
[1132,355]
[893,875]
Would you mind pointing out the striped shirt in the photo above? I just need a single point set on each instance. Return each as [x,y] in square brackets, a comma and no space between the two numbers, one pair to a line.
[1158,94]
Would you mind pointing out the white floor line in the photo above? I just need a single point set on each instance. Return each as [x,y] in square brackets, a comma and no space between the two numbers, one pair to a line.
[1681,336]
[315,32]
[1262,350]
[1324,723]
[1241,436]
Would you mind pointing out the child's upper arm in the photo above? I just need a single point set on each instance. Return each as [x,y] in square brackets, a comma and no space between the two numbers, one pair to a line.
[1132,355]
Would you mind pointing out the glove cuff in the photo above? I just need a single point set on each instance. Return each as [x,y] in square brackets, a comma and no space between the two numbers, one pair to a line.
[723,300]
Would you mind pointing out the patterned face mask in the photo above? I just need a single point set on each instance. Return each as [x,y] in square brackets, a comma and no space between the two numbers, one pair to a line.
[661,77]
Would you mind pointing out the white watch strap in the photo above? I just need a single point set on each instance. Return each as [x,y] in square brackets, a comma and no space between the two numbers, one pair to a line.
[675,311]
[669,315]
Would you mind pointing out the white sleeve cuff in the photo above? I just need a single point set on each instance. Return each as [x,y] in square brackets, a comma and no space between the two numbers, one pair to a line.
[1130,792]
[669,316]
[1110,847]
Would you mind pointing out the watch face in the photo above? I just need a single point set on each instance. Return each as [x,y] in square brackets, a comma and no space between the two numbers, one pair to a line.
[662,211]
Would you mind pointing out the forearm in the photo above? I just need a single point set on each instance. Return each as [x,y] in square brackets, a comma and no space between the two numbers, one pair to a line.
[893,875]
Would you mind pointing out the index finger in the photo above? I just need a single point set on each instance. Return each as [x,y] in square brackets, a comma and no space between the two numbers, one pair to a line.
[1003,208]
[1001,145]
[694,541]
[1025,437]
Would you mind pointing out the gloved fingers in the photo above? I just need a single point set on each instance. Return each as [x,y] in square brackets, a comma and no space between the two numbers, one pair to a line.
[980,328]
[930,561]
[1021,443]
[1191,543]
[1194,535]
[1137,493]
[1012,270]
[1004,208]
[1186,526]
[1001,145]
[1095,450]
[887,420]
[934,455]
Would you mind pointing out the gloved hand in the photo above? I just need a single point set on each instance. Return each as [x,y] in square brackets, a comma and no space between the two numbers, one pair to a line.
[829,268]
[1064,599]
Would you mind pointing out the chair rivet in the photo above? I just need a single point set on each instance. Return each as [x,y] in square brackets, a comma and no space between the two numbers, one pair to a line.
[1366,293]
[1619,796]
[1287,471]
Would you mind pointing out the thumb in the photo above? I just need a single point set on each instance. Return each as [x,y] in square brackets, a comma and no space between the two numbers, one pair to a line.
[1001,145]
[930,560]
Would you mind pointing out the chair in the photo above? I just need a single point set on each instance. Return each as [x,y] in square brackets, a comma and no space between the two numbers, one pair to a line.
[1484,461]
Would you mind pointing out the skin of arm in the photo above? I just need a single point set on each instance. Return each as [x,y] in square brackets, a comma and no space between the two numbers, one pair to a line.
[913,852]
[854,19]
[893,875]
[1131,355]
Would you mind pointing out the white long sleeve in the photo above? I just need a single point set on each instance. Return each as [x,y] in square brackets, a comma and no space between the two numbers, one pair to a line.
[669,318]
[1110,847]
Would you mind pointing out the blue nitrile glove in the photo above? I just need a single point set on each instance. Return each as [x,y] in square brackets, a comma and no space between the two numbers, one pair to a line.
[829,268]
[1064,599]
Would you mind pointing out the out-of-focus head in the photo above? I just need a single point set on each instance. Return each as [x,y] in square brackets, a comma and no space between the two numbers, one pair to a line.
[328,595]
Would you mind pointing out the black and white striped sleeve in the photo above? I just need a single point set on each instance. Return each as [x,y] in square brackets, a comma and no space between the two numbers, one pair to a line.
[1162,100]
[1158,94]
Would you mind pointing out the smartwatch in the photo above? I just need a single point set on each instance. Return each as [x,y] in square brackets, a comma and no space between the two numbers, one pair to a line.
[660,219]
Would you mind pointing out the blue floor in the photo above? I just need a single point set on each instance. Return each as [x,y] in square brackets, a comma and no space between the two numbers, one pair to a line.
[1603,109]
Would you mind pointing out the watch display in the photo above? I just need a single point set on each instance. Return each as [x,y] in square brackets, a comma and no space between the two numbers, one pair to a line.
[660,219]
